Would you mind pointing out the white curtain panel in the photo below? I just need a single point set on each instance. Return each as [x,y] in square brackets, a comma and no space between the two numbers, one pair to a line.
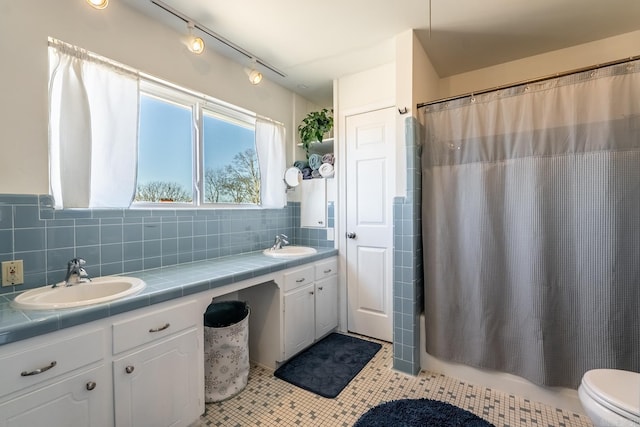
[93,131]
[531,227]
[270,145]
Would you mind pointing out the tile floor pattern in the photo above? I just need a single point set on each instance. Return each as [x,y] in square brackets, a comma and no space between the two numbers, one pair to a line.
[268,401]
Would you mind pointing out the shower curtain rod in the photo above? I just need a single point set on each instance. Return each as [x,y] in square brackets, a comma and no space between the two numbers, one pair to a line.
[536,80]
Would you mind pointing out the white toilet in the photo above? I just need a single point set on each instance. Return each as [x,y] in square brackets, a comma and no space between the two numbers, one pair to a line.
[611,397]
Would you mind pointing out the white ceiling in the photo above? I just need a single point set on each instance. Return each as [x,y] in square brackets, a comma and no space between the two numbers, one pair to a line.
[314,42]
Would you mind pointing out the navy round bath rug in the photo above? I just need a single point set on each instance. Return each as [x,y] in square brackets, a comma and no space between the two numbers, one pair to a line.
[419,413]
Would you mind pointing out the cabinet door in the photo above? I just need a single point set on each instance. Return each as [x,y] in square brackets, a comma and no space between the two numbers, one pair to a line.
[78,400]
[326,306]
[313,203]
[158,385]
[298,320]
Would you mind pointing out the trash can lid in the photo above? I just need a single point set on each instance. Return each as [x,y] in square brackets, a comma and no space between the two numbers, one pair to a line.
[225,313]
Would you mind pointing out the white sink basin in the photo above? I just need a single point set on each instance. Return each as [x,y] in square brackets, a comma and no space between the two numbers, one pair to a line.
[100,289]
[290,252]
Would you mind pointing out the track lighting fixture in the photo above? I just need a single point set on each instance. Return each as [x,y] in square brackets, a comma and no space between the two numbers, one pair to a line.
[98,4]
[255,76]
[196,44]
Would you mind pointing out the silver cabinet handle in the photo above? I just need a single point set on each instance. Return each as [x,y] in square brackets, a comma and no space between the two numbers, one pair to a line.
[300,280]
[327,271]
[320,288]
[39,370]
[91,385]
[129,369]
[310,292]
[351,235]
[161,328]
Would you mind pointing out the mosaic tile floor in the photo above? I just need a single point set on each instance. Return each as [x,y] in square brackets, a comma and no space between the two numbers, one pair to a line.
[269,401]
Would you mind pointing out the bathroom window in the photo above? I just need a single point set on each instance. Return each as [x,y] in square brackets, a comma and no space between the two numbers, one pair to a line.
[117,134]
[165,151]
[193,151]
[231,173]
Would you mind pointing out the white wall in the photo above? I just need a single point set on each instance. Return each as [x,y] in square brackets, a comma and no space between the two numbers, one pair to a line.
[546,64]
[122,34]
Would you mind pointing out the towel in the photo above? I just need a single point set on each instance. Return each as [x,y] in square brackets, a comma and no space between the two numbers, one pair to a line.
[315,174]
[315,160]
[306,173]
[328,158]
[326,170]
[300,164]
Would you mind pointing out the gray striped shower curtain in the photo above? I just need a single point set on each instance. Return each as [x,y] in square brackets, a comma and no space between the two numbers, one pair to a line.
[531,226]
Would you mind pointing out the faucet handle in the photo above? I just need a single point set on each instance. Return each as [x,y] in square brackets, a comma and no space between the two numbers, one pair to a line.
[76,262]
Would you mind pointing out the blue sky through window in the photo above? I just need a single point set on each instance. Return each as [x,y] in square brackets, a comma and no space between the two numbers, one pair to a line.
[165,150]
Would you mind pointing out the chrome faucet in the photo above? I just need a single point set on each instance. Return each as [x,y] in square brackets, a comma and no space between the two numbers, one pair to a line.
[75,273]
[281,240]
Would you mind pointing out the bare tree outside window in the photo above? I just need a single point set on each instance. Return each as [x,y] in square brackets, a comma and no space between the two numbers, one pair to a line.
[160,191]
[238,182]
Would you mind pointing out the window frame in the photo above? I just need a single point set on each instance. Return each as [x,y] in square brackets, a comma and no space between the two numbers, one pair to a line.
[200,104]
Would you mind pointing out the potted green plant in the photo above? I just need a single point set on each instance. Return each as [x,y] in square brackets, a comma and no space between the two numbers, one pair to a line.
[314,126]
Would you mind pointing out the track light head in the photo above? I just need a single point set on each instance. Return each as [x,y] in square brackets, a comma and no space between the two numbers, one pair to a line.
[255,77]
[98,4]
[195,43]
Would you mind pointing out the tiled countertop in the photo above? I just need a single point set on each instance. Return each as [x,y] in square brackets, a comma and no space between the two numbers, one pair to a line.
[163,284]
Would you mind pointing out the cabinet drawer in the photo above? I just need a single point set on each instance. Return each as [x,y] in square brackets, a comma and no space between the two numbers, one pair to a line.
[47,361]
[153,325]
[326,268]
[297,278]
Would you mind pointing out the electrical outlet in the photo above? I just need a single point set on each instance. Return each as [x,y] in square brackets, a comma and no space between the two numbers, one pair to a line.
[12,273]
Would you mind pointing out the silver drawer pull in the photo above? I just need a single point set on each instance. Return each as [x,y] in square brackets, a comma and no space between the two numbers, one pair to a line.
[91,385]
[327,271]
[161,328]
[129,369]
[39,371]
[300,280]
[310,292]
[320,288]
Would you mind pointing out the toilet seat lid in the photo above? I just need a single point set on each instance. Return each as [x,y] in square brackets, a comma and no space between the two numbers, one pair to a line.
[617,389]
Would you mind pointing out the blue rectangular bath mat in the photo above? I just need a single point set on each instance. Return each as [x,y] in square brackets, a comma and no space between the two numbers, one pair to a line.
[329,365]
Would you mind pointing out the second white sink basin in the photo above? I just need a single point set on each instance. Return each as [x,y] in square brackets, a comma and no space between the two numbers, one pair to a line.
[290,252]
[99,290]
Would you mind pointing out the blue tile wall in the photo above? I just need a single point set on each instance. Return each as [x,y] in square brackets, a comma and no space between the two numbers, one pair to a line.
[312,236]
[116,241]
[408,271]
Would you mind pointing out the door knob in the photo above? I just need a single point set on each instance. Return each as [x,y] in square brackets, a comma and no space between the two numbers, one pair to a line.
[129,369]
[351,235]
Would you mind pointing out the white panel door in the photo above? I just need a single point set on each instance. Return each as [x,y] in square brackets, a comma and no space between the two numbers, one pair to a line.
[370,150]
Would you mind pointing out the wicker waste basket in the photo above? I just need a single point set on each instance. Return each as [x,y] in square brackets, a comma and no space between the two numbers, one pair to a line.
[226,349]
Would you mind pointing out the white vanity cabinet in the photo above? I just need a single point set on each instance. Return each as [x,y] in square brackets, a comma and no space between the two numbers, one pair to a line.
[310,305]
[156,371]
[299,310]
[61,382]
[326,297]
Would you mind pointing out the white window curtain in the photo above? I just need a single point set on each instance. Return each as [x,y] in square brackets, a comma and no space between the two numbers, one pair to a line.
[93,130]
[270,141]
